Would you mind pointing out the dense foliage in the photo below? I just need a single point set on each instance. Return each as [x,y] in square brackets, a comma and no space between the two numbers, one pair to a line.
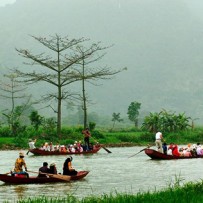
[166,122]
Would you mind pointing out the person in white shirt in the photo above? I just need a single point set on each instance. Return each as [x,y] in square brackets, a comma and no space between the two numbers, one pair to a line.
[158,141]
[32,143]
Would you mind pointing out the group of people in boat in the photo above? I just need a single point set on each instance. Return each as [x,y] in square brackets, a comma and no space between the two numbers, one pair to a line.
[190,150]
[45,170]
[67,168]
[78,146]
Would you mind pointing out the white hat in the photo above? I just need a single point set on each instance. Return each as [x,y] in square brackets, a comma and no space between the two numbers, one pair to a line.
[52,164]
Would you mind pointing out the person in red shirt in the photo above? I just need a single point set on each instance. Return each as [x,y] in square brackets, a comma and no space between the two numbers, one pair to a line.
[174,149]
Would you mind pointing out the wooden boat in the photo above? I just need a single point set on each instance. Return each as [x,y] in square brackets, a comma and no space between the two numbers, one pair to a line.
[153,154]
[34,179]
[40,152]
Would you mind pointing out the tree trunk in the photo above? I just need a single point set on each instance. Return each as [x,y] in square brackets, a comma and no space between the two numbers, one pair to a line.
[59,95]
[84,96]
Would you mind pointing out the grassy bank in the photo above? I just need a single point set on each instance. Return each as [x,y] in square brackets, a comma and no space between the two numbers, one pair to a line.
[121,137]
[189,193]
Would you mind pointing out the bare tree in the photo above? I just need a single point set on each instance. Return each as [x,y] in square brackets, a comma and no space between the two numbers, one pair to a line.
[63,69]
[13,91]
[89,73]
[60,66]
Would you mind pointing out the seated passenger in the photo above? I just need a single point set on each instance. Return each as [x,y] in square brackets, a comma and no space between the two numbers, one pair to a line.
[67,167]
[50,147]
[164,146]
[46,146]
[194,150]
[79,146]
[63,148]
[43,169]
[186,152]
[174,149]
[72,148]
[199,150]
[52,168]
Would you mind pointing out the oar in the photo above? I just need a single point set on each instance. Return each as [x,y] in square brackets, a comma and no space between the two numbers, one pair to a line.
[6,173]
[106,149]
[28,152]
[58,176]
[140,151]
[103,146]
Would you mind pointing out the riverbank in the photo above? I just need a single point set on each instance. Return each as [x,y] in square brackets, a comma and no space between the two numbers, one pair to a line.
[108,139]
[189,193]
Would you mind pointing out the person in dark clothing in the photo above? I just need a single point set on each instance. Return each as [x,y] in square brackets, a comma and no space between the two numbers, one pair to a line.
[43,169]
[52,168]
[67,167]
[165,148]
[87,136]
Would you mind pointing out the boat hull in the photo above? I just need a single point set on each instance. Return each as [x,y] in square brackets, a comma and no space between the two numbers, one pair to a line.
[153,154]
[8,179]
[40,152]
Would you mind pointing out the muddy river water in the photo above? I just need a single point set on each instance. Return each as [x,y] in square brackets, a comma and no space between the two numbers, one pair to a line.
[109,173]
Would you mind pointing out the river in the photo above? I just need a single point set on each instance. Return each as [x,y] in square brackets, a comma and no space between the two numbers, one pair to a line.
[109,173]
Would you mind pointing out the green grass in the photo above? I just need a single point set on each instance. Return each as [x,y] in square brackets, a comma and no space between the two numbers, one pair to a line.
[6,141]
[123,137]
[189,193]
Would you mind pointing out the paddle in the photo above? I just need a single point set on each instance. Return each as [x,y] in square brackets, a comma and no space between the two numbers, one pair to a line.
[106,149]
[58,176]
[6,173]
[140,151]
[102,146]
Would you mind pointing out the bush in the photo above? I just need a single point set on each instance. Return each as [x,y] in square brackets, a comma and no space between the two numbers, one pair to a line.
[98,135]
[5,132]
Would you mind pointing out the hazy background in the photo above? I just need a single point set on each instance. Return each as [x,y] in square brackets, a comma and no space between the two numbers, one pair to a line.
[159,41]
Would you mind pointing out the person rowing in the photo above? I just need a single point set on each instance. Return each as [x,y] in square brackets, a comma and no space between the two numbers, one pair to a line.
[19,164]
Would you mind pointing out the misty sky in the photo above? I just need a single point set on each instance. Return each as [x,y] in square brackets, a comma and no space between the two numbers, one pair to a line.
[4,2]
[159,41]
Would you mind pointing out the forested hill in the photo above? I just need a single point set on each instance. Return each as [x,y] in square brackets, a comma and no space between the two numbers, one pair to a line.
[160,42]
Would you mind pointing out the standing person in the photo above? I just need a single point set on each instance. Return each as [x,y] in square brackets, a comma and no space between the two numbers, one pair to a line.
[87,136]
[19,164]
[32,143]
[158,141]
[67,167]
[43,169]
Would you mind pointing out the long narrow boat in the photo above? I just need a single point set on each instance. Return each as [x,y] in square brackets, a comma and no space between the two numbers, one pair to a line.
[153,154]
[33,180]
[40,152]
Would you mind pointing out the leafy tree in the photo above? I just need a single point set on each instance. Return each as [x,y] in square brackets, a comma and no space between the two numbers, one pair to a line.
[133,112]
[116,118]
[166,121]
[36,119]
[92,126]
[151,122]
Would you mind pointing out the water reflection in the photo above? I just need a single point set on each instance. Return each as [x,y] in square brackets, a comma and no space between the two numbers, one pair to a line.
[20,190]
